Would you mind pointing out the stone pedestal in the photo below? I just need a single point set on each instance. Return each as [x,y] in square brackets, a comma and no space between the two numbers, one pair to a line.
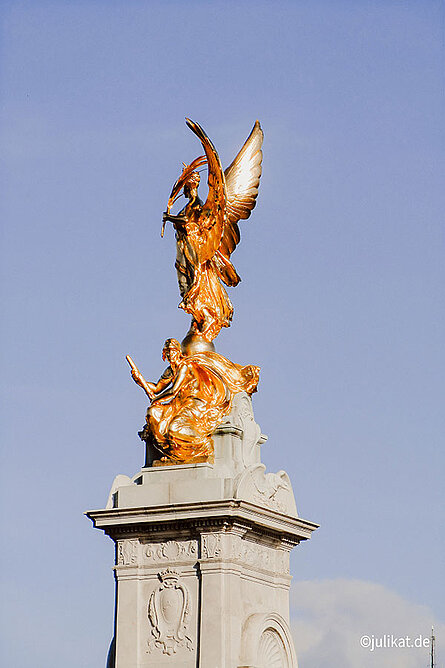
[202,558]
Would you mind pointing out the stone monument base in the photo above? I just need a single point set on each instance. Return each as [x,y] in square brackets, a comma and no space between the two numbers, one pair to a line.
[202,558]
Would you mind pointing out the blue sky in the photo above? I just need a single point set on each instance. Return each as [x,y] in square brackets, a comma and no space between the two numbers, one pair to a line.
[341,303]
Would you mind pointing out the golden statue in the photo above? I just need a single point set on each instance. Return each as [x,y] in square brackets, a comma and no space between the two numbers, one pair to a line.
[189,401]
[196,390]
[207,234]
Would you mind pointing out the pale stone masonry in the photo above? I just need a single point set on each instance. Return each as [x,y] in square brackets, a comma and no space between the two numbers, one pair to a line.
[202,558]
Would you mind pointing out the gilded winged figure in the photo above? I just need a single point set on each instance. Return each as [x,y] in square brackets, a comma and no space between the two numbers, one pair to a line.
[208,233]
[196,390]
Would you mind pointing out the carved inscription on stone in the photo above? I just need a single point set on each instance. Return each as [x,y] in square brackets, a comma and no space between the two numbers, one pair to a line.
[127,552]
[169,610]
[172,550]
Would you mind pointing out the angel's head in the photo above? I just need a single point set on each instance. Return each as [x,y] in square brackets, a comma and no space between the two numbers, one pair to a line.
[187,183]
[191,183]
[172,351]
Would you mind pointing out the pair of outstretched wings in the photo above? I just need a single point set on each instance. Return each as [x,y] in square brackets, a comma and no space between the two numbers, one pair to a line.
[232,196]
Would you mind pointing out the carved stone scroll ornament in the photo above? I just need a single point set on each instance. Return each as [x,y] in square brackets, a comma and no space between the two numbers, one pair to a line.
[169,610]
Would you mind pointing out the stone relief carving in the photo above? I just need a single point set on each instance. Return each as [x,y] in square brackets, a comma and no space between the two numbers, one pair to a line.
[251,430]
[172,550]
[262,556]
[127,552]
[241,418]
[255,555]
[272,490]
[248,552]
[211,545]
[169,610]
[267,642]
[267,488]
[271,651]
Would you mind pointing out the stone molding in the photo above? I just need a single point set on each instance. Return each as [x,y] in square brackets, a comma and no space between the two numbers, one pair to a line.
[171,518]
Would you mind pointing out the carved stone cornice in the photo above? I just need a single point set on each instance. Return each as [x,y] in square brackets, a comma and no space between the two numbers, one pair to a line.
[194,518]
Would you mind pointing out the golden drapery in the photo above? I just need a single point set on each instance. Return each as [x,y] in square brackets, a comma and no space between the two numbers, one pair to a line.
[207,301]
[182,428]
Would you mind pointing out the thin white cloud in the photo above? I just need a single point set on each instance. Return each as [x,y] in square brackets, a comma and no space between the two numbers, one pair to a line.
[329,618]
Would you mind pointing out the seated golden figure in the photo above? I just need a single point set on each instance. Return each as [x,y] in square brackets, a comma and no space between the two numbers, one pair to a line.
[189,401]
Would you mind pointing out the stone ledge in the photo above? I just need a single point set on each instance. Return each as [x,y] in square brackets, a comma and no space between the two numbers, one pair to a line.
[171,518]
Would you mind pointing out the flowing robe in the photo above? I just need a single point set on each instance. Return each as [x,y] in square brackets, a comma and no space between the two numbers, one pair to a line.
[203,296]
[183,426]
[207,300]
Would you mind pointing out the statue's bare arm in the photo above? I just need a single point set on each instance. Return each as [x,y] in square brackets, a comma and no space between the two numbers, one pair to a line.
[170,393]
[152,389]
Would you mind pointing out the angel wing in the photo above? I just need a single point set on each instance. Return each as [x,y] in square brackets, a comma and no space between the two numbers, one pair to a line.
[213,212]
[242,179]
[232,196]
